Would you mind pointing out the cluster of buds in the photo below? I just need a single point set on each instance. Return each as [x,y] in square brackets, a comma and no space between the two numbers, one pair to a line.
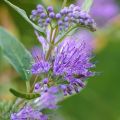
[67,17]
[43,16]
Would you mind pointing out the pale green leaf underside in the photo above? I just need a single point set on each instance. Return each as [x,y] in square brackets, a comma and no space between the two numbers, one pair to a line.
[24,15]
[16,53]
[87,5]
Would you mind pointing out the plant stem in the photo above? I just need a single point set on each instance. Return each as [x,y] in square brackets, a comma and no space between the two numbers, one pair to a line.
[28,85]
[32,88]
[52,39]
[21,102]
[64,3]
[51,33]
[49,51]
[55,34]
[60,40]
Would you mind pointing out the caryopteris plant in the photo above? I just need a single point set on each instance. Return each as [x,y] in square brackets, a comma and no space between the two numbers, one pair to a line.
[60,67]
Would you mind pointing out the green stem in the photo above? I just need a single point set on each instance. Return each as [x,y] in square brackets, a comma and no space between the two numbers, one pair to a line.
[64,3]
[51,33]
[32,88]
[60,40]
[51,47]
[20,102]
[49,51]
[28,85]
[55,34]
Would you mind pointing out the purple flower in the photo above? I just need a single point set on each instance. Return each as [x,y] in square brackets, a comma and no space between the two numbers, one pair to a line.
[72,15]
[41,86]
[39,6]
[73,58]
[34,12]
[66,19]
[48,20]
[63,67]
[40,65]
[43,42]
[58,16]
[37,87]
[50,8]
[60,22]
[43,15]
[45,81]
[64,10]
[73,62]
[48,98]
[69,64]
[102,10]
[28,113]
[52,15]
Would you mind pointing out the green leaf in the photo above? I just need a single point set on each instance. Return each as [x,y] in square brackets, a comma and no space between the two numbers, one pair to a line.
[27,96]
[0,55]
[87,5]
[16,53]
[24,15]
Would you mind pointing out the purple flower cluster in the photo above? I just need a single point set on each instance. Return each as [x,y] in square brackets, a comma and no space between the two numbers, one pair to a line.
[73,62]
[28,113]
[40,65]
[48,94]
[61,68]
[42,15]
[48,97]
[102,10]
[68,16]
[73,15]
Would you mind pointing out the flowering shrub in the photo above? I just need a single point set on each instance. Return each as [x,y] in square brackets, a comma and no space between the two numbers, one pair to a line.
[60,67]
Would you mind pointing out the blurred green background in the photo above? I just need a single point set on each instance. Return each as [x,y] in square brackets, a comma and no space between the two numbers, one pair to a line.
[100,100]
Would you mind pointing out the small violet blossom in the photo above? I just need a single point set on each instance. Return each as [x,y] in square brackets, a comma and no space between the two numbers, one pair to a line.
[28,113]
[40,65]
[48,98]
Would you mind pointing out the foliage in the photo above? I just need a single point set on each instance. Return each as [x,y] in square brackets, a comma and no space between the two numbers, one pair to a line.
[16,54]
